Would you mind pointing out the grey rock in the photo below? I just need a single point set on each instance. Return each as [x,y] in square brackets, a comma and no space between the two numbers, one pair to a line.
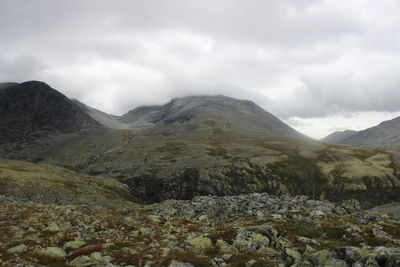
[179,264]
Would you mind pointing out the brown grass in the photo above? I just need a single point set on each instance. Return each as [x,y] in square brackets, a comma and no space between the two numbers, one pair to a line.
[185,256]
[223,232]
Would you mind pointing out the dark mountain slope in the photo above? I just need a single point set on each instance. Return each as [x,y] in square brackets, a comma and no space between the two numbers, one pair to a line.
[385,135]
[6,85]
[34,107]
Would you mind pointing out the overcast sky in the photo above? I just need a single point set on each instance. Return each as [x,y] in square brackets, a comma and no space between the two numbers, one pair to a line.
[320,65]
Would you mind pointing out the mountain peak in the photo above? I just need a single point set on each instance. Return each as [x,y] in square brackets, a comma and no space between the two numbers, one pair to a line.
[226,113]
[34,106]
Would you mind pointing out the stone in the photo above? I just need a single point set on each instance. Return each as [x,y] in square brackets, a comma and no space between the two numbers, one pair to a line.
[393,261]
[224,247]
[266,230]
[18,249]
[350,254]
[368,261]
[251,262]
[199,244]
[308,241]
[74,244]
[250,241]
[293,254]
[53,227]
[322,257]
[130,250]
[203,217]
[351,205]
[218,262]
[54,252]
[227,256]
[317,213]
[82,261]
[179,264]
[145,231]
[96,256]
[378,233]
[283,243]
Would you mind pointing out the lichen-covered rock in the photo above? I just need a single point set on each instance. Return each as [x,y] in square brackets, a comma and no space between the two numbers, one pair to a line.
[224,247]
[295,255]
[180,264]
[250,241]
[308,241]
[54,252]
[18,249]
[199,243]
[368,261]
[82,261]
[53,227]
[350,254]
[74,244]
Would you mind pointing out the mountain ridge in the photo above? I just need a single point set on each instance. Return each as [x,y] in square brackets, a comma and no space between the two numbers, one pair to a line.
[384,135]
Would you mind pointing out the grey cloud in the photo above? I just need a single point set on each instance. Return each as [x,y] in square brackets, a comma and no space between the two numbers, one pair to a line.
[296,58]
[20,68]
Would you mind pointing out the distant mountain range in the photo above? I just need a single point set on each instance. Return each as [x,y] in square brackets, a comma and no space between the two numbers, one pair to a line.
[199,145]
[385,135]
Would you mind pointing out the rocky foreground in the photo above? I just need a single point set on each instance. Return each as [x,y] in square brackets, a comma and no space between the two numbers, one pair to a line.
[245,230]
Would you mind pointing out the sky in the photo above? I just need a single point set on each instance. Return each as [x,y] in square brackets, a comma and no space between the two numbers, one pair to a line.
[319,65]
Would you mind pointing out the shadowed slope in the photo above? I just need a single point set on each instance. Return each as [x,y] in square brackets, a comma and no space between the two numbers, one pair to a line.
[34,107]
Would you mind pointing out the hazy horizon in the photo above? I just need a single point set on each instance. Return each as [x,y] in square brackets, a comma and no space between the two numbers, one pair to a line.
[320,66]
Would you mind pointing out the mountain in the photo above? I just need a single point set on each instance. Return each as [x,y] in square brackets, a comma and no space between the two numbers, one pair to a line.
[36,108]
[195,114]
[200,145]
[227,114]
[338,136]
[385,135]
[6,85]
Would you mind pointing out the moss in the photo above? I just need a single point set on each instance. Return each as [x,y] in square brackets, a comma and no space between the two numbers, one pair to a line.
[329,234]
[240,259]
